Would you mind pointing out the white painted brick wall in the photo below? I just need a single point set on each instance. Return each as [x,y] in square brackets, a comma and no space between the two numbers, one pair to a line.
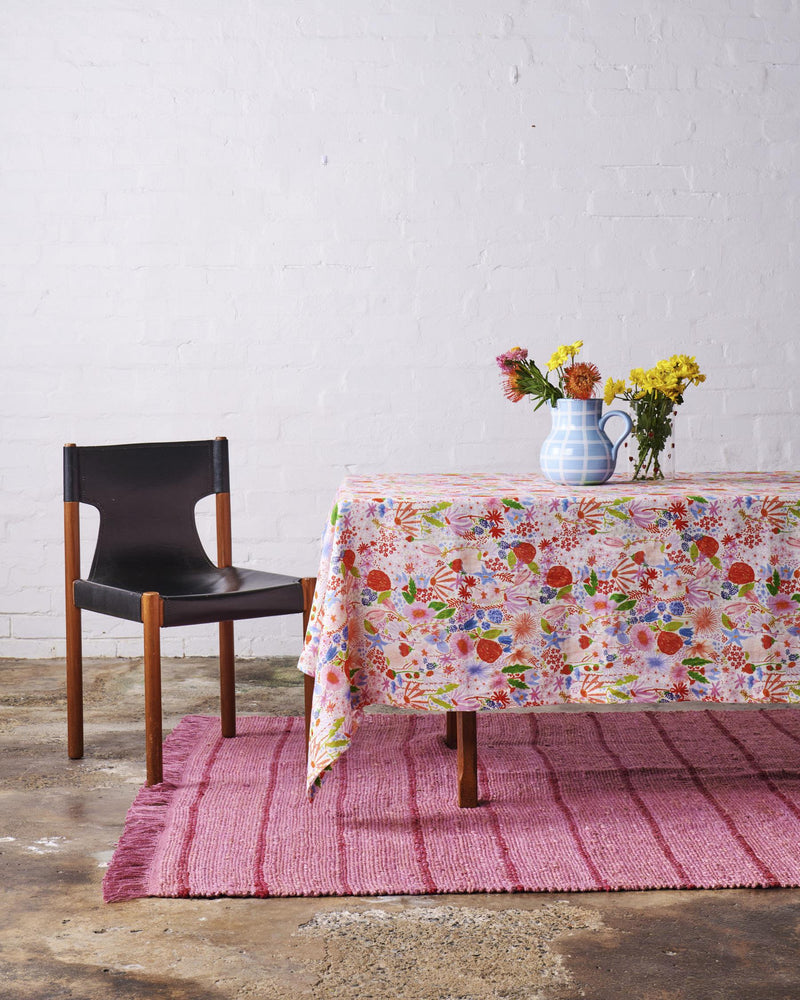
[312,226]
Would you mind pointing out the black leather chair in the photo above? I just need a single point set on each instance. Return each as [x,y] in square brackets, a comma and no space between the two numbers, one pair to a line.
[150,566]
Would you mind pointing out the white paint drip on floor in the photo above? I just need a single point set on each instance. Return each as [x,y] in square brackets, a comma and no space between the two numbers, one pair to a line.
[46,845]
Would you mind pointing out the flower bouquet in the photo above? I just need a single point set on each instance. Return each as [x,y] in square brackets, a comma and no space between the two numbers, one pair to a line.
[577,452]
[522,377]
[653,396]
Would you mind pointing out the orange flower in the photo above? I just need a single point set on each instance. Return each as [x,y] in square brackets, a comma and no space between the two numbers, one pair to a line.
[580,380]
[510,386]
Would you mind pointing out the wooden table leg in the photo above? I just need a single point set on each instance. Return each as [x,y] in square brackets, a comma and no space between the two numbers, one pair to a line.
[466,730]
[450,735]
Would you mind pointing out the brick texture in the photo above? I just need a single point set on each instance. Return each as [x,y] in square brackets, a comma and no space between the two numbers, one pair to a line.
[312,226]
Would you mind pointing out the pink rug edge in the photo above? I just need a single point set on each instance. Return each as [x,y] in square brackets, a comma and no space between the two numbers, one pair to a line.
[128,874]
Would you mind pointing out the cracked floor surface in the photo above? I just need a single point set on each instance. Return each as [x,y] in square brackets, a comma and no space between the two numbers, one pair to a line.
[60,819]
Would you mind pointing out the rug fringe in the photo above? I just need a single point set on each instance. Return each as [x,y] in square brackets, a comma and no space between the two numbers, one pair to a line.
[146,818]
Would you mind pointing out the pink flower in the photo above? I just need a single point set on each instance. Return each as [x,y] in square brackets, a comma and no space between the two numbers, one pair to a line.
[641,637]
[506,361]
[508,366]
[419,614]
[641,515]
[461,522]
[781,604]
[679,673]
[600,604]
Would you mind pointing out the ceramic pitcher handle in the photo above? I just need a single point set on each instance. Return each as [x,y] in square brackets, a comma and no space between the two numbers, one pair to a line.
[625,433]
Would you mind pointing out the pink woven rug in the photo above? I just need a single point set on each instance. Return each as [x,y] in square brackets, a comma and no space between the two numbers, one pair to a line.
[570,802]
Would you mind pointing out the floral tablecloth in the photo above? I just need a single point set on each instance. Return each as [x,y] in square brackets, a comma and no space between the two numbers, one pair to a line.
[470,592]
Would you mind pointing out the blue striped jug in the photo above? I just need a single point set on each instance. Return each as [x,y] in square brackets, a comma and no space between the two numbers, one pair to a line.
[577,451]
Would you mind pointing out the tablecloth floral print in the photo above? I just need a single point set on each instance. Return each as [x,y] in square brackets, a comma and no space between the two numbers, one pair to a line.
[470,592]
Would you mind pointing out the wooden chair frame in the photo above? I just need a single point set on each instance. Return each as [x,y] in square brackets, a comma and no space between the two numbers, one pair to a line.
[152,621]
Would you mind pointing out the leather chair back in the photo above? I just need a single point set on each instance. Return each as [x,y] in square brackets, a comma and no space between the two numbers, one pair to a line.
[146,495]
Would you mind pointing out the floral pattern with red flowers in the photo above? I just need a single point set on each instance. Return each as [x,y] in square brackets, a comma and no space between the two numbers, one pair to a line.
[442,592]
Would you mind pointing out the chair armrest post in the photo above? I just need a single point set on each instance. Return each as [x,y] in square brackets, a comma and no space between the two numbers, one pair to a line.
[224,543]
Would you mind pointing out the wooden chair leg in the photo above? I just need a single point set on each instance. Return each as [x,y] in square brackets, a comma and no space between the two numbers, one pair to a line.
[74,685]
[73,633]
[151,618]
[467,760]
[227,680]
[450,735]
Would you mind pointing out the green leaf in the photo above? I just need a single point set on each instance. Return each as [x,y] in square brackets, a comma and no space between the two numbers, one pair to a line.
[745,589]
[700,678]
[590,590]
[619,597]
[512,559]
[516,668]
[726,621]
[335,513]
[412,587]
[369,627]
[626,605]
[593,579]
[622,695]
[695,661]
[564,591]
[408,598]
[446,613]
[672,626]
[699,499]
[437,605]
[384,596]
[715,562]
[545,626]
[491,633]
[446,687]
[515,682]
[694,552]
[432,520]
[617,513]
[438,701]
[513,504]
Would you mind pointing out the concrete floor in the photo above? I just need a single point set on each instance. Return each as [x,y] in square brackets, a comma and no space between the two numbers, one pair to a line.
[59,821]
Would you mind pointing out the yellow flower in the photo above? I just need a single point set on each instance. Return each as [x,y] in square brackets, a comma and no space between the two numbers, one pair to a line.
[614,388]
[563,354]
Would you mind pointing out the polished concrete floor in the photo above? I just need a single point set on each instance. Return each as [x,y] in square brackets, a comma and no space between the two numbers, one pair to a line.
[60,819]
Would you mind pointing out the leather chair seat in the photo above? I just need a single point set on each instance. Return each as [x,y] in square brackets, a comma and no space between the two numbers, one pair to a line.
[196,596]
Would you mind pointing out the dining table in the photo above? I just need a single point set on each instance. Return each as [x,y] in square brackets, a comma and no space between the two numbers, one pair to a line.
[466,593]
